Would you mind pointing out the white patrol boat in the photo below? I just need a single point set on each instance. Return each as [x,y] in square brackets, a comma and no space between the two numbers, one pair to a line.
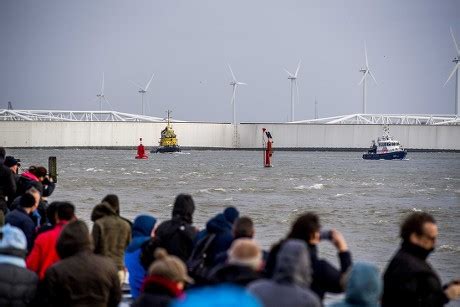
[386,148]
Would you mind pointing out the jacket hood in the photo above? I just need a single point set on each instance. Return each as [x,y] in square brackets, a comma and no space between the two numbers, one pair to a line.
[183,208]
[218,224]
[364,286]
[74,238]
[101,210]
[142,229]
[293,264]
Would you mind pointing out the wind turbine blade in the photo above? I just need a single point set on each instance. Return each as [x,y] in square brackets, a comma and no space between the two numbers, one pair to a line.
[241,83]
[231,71]
[364,76]
[455,42]
[148,84]
[372,75]
[365,53]
[102,88]
[290,75]
[452,73]
[110,105]
[137,85]
[297,70]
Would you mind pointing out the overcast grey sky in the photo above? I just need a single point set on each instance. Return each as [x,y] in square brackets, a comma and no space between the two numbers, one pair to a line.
[53,53]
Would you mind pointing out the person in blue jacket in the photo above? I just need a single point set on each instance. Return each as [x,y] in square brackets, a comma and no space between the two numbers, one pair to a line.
[142,231]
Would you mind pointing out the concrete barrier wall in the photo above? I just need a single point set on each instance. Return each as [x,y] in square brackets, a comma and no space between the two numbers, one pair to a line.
[215,135]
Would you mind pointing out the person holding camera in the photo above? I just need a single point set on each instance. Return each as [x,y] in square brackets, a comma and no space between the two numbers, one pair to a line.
[326,277]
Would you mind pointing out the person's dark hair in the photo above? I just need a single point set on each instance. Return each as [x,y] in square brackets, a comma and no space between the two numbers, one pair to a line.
[51,212]
[41,172]
[27,200]
[305,226]
[65,211]
[74,238]
[243,228]
[2,153]
[184,206]
[113,201]
[414,224]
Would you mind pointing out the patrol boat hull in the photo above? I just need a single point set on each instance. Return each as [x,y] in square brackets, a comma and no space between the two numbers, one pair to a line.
[395,155]
[165,149]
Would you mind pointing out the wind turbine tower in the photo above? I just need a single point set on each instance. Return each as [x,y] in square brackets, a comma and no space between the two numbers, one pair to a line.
[293,79]
[142,91]
[456,60]
[366,71]
[101,95]
[234,83]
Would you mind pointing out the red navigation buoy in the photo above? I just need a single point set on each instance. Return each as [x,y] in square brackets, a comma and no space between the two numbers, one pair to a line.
[267,144]
[141,151]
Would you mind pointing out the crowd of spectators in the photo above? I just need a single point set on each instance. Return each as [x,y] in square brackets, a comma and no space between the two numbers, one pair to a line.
[51,258]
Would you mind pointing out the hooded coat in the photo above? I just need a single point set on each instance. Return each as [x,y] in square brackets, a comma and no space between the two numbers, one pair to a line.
[111,234]
[18,285]
[364,287]
[142,229]
[290,283]
[81,278]
[177,234]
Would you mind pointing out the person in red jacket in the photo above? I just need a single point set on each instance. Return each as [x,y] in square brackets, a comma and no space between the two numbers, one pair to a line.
[44,254]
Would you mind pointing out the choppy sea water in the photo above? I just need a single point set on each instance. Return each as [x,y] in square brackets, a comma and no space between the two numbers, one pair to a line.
[365,200]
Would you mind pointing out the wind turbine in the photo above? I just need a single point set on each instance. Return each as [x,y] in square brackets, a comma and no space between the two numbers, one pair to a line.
[101,95]
[235,84]
[456,60]
[366,71]
[293,78]
[142,91]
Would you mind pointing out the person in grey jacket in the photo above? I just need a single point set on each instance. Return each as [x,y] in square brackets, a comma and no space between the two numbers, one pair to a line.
[291,280]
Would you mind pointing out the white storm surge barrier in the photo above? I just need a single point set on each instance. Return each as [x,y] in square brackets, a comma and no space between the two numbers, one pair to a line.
[221,136]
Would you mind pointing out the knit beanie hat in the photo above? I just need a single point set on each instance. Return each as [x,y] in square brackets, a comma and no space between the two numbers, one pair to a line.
[169,267]
[12,237]
[231,214]
[245,252]
[13,246]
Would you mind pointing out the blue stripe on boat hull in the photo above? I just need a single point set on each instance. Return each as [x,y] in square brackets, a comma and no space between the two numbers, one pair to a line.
[386,156]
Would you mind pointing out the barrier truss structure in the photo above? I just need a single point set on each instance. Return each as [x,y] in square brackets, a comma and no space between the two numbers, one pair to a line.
[113,116]
[385,119]
[74,116]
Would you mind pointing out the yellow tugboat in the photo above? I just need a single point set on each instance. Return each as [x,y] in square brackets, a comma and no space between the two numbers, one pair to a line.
[168,140]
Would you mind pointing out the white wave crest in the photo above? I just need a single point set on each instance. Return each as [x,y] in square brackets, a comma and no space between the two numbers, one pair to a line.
[316,186]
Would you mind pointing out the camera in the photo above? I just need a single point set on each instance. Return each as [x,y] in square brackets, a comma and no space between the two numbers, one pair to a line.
[325,235]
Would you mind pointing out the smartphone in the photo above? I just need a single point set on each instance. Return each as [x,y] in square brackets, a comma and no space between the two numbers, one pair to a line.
[325,235]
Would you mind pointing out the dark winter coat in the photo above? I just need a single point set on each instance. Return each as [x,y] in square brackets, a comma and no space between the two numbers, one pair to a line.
[19,218]
[177,234]
[409,280]
[235,274]
[157,291]
[111,234]
[7,186]
[81,278]
[224,237]
[326,278]
[18,285]
[291,279]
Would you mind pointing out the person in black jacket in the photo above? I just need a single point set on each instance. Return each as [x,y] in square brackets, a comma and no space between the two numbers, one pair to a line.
[409,279]
[21,216]
[175,235]
[18,285]
[7,186]
[326,278]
